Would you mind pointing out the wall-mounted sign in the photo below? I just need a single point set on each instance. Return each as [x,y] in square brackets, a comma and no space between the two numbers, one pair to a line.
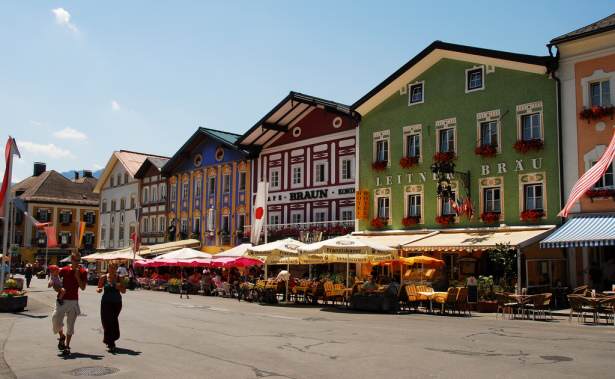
[329,193]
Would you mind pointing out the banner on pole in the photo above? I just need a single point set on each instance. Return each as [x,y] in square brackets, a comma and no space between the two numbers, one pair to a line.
[260,212]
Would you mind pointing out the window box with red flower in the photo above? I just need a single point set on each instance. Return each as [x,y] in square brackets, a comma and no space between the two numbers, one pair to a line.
[597,112]
[441,157]
[379,223]
[445,219]
[531,215]
[597,193]
[486,150]
[408,162]
[490,217]
[410,221]
[523,146]
[379,165]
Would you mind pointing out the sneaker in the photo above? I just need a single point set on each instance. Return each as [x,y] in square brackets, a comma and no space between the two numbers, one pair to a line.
[61,345]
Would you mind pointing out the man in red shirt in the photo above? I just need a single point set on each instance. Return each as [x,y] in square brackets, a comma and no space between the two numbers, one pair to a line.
[74,277]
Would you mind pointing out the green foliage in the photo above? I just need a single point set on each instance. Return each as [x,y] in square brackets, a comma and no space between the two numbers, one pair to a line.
[10,284]
[504,261]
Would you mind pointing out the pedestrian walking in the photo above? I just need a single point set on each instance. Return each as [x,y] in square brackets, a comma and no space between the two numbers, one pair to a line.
[112,289]
[27,273]
[74,277]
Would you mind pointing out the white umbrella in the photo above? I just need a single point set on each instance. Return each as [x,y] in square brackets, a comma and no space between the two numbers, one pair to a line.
[237,251]
[276,249]
[185,253]
[124,254]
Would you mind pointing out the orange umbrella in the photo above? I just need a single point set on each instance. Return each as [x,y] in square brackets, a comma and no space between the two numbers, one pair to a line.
[422,260]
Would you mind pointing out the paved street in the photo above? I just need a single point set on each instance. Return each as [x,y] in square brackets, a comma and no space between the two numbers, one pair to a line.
[164,336]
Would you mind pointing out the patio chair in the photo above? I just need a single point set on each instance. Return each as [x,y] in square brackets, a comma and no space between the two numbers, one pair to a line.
[462,301]
[589,307]
[413,299]
[535,304]
[607,308]
[331,293]
[576,307]
[448,301]
[506,304]
[580,290]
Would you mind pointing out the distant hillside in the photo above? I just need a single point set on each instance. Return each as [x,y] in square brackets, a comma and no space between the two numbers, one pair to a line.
[71,174]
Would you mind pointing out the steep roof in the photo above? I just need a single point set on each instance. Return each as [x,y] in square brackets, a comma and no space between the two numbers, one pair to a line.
[600,26]
[453,51]
[225,138]
[53,187]
[131,160]
[157,162]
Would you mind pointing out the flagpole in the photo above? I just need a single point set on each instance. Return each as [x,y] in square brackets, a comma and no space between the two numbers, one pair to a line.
[5,222]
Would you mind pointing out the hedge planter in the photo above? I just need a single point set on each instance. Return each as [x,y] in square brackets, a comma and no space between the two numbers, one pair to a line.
[173,289]
[13,303]
[487,306]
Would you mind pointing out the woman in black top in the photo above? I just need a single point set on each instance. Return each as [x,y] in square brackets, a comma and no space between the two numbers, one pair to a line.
[110,305]
[28,274]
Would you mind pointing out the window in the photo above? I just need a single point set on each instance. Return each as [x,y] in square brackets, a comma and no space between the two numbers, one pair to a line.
[489,133]
[145,227]
[225,227]
[274,178]
[530,126]
[154,194]
[600,94]
[382,150]
[89,218]
[112,182]
[474,79]
[274,219]
[162,223]
[242,181]
[347,214]
[163,191]
[413,145]
[185,190]
[65,217]
[297,175]
[210,219]
[320,215]
[111,236]
[491,200]
[133,201]
[113,203]
[383,208]
[183,226]
[606,181]
[196,226]
[414,206]
[416,93]
[446,140]
[347,169]
[226,183]
[296,217]
[154,225]
[125,178]
[122,204]
[103,233]
[173,192]
[446,206]
[119,179]
[104,206]
[211,186]
[320,172]
[145,193]
[43,215]
[533,197]
[197,188]
[241,223]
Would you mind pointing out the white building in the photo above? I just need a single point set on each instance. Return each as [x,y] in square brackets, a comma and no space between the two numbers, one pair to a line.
[119,199]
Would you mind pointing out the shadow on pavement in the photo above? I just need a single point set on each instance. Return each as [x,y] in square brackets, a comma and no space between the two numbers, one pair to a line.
[94,357]
[121,350]
[31,316]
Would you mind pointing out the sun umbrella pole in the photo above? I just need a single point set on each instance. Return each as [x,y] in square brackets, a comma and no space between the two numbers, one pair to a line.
[347,269]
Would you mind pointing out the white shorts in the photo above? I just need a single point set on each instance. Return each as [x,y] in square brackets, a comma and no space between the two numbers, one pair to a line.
[70,309]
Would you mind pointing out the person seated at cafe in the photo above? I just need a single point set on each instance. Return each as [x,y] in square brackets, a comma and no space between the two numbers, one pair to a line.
[195,280]
[370,285]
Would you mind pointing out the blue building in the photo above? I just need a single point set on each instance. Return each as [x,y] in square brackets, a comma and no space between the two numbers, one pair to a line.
[209,190]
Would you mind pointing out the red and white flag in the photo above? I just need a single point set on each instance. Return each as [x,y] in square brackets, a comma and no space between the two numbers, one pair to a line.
[50,232]
[590,178]
[10,150]
[135,241]
[260,212]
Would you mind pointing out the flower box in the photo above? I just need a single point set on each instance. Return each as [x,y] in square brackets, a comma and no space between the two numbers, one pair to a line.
[445,220]
[487,306]
[13,300]
[379,165]
[523,146]
[442,157]
[532,215]
[410,221]
[486,150]
[407,162]
[597,113]
[378,223]
[490,217]
[600,193]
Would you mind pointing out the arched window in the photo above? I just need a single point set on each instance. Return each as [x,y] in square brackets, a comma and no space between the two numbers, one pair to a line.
[145,195]
[144,226]
[154,196]
[104,206]
[162,224]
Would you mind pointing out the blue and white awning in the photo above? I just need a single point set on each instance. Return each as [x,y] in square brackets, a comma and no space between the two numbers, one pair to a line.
[583,231]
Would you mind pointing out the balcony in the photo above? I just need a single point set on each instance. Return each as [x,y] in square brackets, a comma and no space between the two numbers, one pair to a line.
[307,232]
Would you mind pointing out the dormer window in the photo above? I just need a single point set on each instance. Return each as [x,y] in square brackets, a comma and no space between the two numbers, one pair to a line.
[416,93]
[475,79]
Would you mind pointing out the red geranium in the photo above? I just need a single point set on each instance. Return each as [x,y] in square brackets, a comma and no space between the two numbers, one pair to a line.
[523,146]
[445,219]
[603,192]
[410,221]
[444,156]
[490,217]
[407,162]
[378,223]
[597,112]
[486,150]
[380,165]
[532,215]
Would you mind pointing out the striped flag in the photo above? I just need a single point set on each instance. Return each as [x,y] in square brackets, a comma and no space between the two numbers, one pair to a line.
[81,233]
[10,150]
[21,205]
[52,240]
[590,178]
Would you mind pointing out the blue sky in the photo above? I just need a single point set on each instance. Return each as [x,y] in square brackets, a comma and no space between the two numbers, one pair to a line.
[79,79]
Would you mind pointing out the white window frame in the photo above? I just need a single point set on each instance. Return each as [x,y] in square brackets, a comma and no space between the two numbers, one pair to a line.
[447,205]
[296,217]
[174,192]
[275,171]
[410,92]
[439,132]
[316,165]
[600,184]
[320,211]
[185,190]
[225,222]
[226,183]
[242,181]
[407,205]
[539,116]
[163,191]
[383,135]
[526,110]
[210,180]
[388,207]
[211,222]
[484,191]
[277,216]
[542,196]
[467,82]
[600,84]
[344,210]
[145,197]
[343,159]
[162,224]
[294,184]
[197,187]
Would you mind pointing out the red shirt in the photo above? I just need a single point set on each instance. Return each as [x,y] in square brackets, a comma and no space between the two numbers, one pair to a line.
[69,282]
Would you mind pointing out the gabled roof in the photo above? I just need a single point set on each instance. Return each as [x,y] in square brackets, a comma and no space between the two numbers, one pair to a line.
[131,160]
[288,112]
[226,139]
[53,187]
[600,26]
[438,50]
[157,162]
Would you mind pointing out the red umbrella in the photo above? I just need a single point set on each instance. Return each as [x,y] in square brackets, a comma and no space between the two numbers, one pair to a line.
[235,262]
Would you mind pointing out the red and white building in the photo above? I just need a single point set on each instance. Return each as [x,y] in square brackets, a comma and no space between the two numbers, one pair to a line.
[306,149]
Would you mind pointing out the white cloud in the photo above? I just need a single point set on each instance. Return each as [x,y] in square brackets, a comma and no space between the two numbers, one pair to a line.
[70,133]
[96,166]
[63,19]
[48,150]
[115,105]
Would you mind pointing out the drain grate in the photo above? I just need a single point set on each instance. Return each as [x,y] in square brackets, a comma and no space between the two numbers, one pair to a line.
[94,371]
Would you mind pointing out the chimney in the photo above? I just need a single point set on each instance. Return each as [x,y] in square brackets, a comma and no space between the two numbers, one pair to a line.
[39,168]
[87,174]
[76,175]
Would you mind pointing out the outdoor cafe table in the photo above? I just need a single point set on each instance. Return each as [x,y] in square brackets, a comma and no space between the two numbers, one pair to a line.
[430,295]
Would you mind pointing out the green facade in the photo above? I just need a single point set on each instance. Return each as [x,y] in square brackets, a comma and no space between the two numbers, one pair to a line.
[445,97]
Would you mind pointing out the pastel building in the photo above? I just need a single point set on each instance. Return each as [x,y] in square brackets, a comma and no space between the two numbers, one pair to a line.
[306,150]
[209,190]
[153,195]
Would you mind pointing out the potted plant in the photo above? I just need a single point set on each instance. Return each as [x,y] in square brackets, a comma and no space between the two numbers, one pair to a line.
[12,299]
[486,295]
[597,112]
[410,221]
[378,223]
[174,285]
[445,220]
[532,215]
[486,150]
[408,162]
[600,193]
[442,157]
[524,146]
[490,217]
[379,165]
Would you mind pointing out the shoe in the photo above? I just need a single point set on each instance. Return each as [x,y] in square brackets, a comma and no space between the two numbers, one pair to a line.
[61,345]
[66,351]
[111,348]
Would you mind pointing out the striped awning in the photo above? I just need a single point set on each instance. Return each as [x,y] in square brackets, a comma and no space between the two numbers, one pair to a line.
[583,231]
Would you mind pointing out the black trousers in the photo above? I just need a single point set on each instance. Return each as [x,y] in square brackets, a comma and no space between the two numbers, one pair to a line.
[109,313]
[28,280]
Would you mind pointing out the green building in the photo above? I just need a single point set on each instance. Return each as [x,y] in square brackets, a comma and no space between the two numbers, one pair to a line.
[488,121]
